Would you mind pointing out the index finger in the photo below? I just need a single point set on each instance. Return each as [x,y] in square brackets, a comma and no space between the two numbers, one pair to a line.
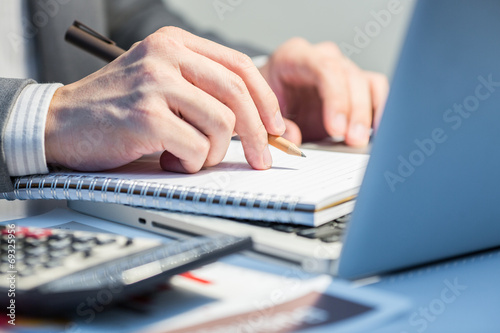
[379,87]
[327,63]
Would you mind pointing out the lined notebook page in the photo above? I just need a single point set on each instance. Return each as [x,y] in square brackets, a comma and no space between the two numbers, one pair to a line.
[319,179]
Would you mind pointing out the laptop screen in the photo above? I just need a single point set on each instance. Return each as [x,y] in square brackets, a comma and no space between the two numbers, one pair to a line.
[432,185]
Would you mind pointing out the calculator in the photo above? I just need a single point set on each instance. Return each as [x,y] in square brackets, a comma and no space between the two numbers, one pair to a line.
[55,271]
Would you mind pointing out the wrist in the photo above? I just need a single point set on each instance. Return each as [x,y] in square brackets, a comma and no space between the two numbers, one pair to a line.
[51,124]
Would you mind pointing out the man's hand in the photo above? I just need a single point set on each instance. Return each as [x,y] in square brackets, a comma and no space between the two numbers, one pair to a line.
[172,92]
[324,92]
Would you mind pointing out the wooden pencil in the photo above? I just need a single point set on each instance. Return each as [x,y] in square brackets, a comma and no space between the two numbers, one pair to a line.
[284,145]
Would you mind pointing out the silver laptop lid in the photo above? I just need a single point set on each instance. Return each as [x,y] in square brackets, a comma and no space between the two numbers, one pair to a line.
[432,186]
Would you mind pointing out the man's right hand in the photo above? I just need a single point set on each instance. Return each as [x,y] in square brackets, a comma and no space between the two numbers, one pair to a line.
[172,92]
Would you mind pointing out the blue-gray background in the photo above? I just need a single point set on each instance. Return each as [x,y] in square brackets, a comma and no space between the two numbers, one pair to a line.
[268,23]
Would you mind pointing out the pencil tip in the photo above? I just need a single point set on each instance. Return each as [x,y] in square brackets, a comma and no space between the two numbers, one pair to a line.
[302,154]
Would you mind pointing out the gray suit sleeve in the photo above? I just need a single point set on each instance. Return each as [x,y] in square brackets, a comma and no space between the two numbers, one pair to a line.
[132,20]
[9,91]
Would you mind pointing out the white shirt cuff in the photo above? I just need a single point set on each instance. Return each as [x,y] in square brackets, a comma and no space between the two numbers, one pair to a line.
[24,137]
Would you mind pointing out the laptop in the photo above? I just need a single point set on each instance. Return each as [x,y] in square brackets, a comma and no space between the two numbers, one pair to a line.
[430,190]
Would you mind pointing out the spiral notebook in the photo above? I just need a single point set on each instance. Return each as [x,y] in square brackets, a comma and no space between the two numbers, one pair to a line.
[309,191]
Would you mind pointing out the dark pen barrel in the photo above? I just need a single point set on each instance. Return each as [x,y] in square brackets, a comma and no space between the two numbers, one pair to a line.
[102,49]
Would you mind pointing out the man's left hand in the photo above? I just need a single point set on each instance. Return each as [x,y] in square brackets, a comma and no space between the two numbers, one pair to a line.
[323,93]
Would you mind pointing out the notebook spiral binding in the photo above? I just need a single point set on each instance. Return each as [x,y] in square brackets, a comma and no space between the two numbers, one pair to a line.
[206,201]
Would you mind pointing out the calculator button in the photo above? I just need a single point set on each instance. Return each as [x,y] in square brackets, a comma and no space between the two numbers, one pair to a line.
[4,247]
[78,247]
[5,239]
[35,250]
[19,232]
[20,255]
[31,241]
[58,244]
[103,240]
[57,236]
[33,261]
[60,253]
[52,263]
[82,238]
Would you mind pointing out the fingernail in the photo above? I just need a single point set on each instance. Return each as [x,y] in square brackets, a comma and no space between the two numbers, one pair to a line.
[279,122]
[359,132]
[268,160]
[340,124]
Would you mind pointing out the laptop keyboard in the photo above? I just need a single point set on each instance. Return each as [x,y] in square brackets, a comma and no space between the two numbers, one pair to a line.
[291,242]
[329,232]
